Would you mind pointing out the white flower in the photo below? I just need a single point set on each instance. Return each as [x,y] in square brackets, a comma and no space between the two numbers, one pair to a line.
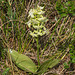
[38,27]
[29,23]
[47,31]
[44,28]
[31,13]
[10,51]
[42,18]
[39,7]
[34,11]
[33,34]
[35,31]
[43,32]
[39,33]
[34,21]
[37,22]
[41,12]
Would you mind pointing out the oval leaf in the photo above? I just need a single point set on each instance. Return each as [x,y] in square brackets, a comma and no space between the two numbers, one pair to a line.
[23,62]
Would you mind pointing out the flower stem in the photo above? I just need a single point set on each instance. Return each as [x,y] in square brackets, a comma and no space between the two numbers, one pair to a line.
[38,51]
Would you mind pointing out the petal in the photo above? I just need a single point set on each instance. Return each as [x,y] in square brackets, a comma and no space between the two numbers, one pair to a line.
[39,7]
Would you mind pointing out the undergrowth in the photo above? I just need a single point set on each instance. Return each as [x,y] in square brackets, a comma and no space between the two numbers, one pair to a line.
[58,46]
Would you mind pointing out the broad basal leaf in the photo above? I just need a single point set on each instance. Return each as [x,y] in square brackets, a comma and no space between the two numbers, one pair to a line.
[48,64]
[23,62]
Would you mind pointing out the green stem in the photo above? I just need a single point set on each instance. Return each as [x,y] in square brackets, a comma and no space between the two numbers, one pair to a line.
[38,51]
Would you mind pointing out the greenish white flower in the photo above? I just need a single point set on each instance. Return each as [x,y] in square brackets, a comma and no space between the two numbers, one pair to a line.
[34,21]
[33,34]
[31,13]
[44,28]
[38,27]
[42,18]
[39,7]
[40,12]
[47,31]
[37,21]
[10,51]
[29,23]
[39,33]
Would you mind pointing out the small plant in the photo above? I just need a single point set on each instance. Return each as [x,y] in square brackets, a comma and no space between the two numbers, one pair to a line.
[36,24]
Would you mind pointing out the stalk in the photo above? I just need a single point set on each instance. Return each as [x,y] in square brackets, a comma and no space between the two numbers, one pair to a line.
[38,51]
[36,23]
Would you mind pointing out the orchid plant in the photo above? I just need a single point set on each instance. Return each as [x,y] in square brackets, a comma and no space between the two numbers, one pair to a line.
[37,25]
